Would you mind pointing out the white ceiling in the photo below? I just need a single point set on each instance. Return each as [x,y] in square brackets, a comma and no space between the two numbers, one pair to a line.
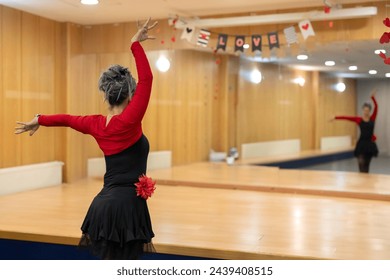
[114,11]
[344,54]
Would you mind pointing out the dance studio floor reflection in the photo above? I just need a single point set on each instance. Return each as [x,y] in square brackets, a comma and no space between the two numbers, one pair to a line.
[379,165]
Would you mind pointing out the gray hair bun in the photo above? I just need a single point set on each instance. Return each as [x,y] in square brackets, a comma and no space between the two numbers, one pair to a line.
[367,105]
[117,84]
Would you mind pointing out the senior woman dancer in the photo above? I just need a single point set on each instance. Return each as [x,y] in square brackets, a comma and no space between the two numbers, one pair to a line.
[117,224]
[366,147]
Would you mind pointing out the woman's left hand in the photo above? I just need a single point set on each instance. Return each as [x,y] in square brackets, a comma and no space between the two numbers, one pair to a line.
[142,33]
[31,126]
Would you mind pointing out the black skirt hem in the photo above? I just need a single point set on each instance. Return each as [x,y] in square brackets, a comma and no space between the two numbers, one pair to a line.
[112,250]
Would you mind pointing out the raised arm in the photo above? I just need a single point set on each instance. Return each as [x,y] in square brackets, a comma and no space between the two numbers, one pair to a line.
[135,110]
[374,114]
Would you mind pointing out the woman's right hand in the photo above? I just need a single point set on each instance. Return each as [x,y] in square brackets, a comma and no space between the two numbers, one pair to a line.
[142,33]
[31,126]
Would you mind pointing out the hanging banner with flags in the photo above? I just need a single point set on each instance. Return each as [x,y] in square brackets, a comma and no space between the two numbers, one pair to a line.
[306,29]
[239,44]
[291,35]
[273,40]
[203,37]
[222,42]
[188,33]
[257,43]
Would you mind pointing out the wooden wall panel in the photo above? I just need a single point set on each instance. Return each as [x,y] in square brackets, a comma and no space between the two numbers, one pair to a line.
[60,87]
[1,87]
[30,86]
[29,67]
[275,109]
[334,103]
[11,63]
[224,109]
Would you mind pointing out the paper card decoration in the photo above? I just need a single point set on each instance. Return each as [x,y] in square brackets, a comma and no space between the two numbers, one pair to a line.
[306,29]
[291,35]
[203,37]
[273,40]
[239,44]
[257,43]
[222,42]
[188,33]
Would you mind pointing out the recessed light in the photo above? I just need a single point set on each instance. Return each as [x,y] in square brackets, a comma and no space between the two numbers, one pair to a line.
[372,72]
[352,68]
[246,46]
[330,63]
[379,51]
[387,75]
[340,87]
[302,57]
[299,81]
[163,64]
[89,2]
[255,76]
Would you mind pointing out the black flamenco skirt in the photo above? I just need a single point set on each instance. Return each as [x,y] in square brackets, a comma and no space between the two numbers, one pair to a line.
[117,225]
[366,148]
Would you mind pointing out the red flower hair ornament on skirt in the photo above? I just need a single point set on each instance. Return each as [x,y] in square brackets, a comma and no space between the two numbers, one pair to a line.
[145,187]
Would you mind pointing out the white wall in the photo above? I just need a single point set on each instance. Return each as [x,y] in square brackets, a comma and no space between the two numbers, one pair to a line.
[382,127]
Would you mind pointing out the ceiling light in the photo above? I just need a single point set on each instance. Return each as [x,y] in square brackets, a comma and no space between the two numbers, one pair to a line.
[340,87]
[89,2]
[352,68]
[387,75]
[255,76]
[379,51]
[302,57]
[246,46]
[372,72]
[330,63]
[163,64]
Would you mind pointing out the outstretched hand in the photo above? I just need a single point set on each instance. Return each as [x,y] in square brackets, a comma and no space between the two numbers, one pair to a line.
[373,92]
[142,33]
[31,126]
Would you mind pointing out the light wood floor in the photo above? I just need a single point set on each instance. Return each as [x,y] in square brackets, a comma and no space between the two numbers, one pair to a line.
[219,223]
[272,179]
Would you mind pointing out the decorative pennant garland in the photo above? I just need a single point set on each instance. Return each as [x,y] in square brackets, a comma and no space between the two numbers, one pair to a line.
[222,42]
[290,34]
[239,43]
[201,37]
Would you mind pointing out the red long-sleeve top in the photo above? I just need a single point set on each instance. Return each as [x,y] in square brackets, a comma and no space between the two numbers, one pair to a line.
[358,120]
[123,130]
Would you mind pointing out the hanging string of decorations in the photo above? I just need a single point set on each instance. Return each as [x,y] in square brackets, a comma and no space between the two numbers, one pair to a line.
[257,40]
[385,39]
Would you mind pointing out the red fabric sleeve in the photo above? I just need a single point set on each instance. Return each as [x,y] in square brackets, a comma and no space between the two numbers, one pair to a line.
[79,123]
[356,120]
[373,116]
[135,111]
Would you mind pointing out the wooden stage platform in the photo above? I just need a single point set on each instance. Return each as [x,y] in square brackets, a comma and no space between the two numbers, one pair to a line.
[220,222]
